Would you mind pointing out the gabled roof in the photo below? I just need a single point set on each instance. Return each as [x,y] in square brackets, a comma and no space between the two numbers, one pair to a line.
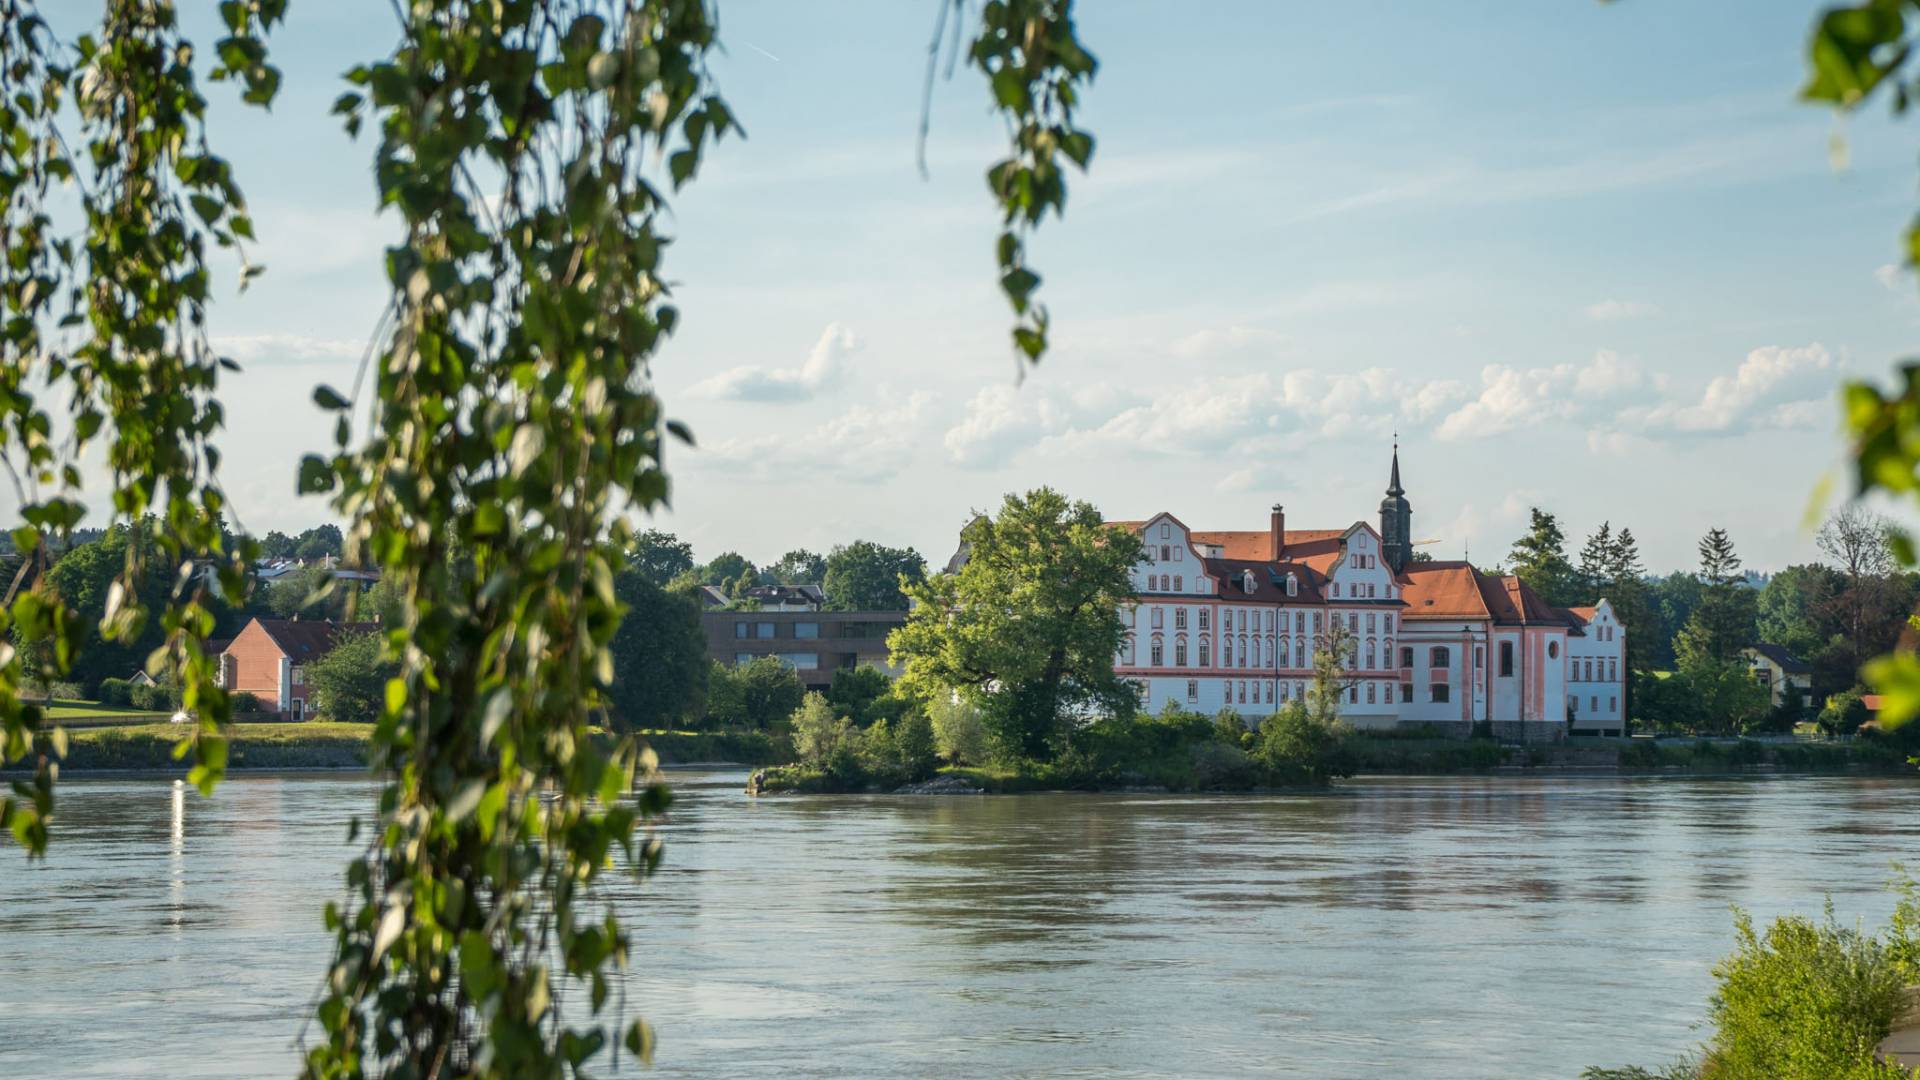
[308,639]
[1455,590]
[1782,659]
[1258,543]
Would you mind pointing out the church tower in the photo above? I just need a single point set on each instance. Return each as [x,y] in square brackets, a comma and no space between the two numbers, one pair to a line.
[1396,520]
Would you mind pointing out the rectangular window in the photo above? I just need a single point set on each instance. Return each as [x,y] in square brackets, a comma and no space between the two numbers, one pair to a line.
[1193,689]
[1269,693]
[1156,618]
[1299,621]
[1613,704]
[1370,618]
[740,630]
[1203,618]
[803,661]
[299,675]
[1180,618]
[1439,692]
[1176,553]
[1406,691]
[806,629]
[1243,693]
[763,630]
[1506,659]
[1406,657]
[742,659]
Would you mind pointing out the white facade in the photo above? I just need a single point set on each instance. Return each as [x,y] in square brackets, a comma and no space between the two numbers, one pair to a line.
[1233,620]
[1596,672]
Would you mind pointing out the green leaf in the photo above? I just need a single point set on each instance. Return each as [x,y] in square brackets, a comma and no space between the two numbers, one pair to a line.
[329,399]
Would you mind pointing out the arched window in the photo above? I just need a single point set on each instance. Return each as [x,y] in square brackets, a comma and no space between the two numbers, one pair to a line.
[1440,657]
[1180,652]
[1206,652]
[1256,652]
[1157,657]
[1285,656]
[1273,654]
[1246,584]
[1369,652]
[1127,650]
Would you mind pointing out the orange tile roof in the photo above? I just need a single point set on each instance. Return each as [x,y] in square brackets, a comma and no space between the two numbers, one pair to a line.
[1443,590]
[1258,543]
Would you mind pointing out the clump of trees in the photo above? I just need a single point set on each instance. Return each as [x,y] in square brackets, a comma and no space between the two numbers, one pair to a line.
[1687,631]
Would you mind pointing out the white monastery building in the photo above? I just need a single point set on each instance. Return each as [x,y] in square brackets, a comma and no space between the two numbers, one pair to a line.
[1231,619]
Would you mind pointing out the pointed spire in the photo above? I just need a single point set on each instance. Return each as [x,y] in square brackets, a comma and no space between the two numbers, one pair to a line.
[1393,485]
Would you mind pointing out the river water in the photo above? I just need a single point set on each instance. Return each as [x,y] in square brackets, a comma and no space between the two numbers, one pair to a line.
[1433,928]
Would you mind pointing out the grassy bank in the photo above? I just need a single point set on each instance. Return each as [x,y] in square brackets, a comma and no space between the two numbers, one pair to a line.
[1200,768]
[318,744]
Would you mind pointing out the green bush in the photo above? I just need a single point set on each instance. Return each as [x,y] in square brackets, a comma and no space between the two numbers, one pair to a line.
[1844,713]
[1806,1000]
[1297,747]
[245,704]
[116,692]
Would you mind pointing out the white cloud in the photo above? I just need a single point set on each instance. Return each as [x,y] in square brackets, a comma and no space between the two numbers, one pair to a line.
[1001,421]
[865,444]
[251,347]
[1773,387]
[1511,399]
[824,368]
[1616,310]
[1891,277]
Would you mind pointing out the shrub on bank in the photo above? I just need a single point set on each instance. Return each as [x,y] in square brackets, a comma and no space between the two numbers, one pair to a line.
[1805,1000]
[116,692]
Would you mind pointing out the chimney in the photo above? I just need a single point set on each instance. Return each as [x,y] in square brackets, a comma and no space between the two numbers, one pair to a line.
[1278,543]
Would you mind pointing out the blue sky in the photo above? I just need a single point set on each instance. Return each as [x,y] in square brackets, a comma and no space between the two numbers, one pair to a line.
[1593,258]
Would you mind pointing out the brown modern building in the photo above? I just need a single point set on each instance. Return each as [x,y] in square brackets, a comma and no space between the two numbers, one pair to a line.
[814,644]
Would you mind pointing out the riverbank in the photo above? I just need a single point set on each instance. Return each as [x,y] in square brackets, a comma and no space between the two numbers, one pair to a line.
[317,744]
[1383,756]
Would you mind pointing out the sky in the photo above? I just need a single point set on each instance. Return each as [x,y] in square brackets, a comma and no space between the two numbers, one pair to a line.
[1592,258]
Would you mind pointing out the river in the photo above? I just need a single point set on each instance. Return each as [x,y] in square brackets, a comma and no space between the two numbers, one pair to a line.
[1434,928]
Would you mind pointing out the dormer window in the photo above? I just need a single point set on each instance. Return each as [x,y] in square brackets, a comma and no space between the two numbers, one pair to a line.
[1246,581]
[1293,585]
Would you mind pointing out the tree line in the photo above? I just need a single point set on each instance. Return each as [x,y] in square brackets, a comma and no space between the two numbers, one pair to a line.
[1687,631]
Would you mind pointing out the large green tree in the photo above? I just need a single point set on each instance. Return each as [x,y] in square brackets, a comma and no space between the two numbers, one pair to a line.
[660,556]
[1789,611]
[1029,626]
[84,579]
[1539,558]
[1723,622]
[349,681]
[799,567]
[660,663]
[760,694]
[727,569]
[864,576]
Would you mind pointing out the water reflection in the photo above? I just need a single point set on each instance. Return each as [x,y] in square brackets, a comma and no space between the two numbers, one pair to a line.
[1436,928]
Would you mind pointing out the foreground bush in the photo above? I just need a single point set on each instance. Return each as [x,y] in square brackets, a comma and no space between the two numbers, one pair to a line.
[1806,1000]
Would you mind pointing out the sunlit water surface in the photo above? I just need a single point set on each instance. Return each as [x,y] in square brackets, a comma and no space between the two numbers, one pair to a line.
[1438,928]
